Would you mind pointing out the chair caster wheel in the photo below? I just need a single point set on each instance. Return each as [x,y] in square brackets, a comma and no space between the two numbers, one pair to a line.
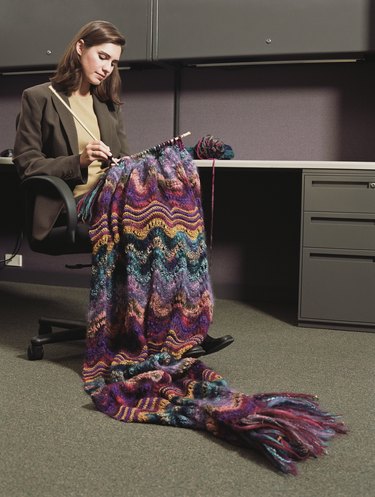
[35,352]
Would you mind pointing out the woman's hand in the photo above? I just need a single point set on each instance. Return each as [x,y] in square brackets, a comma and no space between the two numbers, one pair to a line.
[94,150]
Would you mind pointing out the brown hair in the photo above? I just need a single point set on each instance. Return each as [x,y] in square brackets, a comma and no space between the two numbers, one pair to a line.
[68,72]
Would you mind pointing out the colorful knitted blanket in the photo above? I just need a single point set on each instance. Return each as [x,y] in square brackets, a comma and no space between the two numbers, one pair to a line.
[151,301]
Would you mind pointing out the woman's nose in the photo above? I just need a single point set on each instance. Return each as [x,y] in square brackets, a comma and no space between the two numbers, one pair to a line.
[107,67]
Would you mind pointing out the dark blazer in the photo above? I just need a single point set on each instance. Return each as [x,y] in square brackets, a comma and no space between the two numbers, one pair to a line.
[46,143]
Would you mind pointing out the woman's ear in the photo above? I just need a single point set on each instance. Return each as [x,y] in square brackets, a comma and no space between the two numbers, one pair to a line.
[79,46]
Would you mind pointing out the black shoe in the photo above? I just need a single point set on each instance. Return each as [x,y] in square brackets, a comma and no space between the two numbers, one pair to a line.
[211,345]
[196,351]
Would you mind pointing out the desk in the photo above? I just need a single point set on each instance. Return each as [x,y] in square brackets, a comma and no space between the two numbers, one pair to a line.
[6,164]
[337,240]
[287,164]
[336,269]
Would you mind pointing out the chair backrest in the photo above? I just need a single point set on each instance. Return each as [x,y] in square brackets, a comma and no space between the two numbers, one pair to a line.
[68,236]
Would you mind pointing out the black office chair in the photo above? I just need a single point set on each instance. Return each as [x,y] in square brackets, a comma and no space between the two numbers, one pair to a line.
[68,236]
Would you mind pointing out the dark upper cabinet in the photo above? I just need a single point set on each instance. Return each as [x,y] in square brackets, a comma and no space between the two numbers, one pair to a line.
[194,30]
[35,33]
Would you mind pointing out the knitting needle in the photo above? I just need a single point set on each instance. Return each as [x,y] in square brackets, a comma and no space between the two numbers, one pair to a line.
[76,117]
[73,113]
[167,142]
[183,135]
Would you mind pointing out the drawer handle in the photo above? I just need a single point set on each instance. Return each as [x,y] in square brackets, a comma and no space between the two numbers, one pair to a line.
[372,185]
[342,184]
[349,257]
[341,220]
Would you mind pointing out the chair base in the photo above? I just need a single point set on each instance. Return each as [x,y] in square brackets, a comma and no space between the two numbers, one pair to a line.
[68,331]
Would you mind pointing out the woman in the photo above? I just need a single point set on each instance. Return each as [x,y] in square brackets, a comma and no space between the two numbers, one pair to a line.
[50,141]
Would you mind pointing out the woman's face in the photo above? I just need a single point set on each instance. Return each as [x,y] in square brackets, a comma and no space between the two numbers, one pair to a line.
[97,62]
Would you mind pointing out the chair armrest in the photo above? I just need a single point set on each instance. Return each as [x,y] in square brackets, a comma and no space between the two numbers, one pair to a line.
[54,187]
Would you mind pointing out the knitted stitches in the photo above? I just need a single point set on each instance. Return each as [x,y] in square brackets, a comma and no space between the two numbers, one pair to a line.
[151,301]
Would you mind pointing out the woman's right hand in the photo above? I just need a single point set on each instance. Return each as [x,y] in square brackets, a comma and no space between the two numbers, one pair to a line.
[94,150]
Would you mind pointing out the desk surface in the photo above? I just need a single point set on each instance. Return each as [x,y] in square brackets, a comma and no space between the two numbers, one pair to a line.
[287,164]
[268,164]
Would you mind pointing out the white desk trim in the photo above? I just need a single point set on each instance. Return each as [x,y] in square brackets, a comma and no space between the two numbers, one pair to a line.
[286,164]
[270,164]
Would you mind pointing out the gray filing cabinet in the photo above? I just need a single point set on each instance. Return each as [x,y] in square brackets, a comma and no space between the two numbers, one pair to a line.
[337,263]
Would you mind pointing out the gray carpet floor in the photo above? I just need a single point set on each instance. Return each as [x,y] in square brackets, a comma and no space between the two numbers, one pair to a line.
[55,444]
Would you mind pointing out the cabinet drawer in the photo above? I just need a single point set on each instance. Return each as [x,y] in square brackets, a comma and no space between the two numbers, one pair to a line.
[337,286]
[340,193]
[339,230]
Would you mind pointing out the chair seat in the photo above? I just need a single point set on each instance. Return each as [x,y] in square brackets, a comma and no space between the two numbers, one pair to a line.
[56,242]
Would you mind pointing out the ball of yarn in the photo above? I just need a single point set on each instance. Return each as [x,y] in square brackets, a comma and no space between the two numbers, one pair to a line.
[209,147]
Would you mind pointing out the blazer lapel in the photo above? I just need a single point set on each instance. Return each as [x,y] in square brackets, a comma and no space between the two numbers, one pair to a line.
[67,121]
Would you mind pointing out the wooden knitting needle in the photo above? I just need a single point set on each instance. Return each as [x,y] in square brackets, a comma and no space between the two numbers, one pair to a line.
[73,114]
[183,135]
[77,118]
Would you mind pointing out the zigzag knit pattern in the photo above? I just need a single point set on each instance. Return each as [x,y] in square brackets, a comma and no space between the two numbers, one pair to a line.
[151,301]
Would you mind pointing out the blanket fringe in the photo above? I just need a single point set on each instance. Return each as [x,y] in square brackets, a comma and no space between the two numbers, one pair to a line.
[86,204]
[286,428]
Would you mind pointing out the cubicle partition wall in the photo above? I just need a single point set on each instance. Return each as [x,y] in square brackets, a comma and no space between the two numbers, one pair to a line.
[265,107]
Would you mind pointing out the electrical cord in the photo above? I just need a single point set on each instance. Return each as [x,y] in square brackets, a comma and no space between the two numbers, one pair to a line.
[15,251]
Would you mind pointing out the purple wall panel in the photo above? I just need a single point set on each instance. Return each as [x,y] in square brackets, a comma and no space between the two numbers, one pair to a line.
[284,112]
[147,105]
